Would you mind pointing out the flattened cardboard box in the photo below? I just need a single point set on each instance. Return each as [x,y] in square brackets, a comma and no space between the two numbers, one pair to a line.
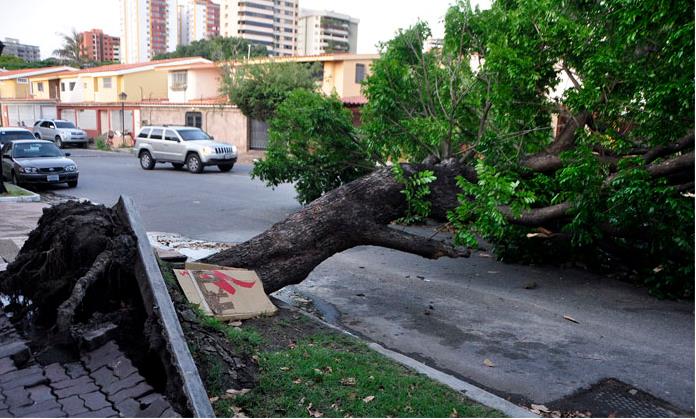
[224,293]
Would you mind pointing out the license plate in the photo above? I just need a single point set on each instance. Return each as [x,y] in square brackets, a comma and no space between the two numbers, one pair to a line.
[228,156]
[53,178]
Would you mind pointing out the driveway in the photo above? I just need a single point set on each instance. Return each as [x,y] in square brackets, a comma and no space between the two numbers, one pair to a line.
[451,314]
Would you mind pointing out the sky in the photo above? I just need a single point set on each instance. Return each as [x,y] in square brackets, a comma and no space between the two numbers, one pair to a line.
[40,22]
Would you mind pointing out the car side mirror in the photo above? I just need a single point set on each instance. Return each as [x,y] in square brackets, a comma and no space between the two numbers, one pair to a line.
[212,138]
[67,154]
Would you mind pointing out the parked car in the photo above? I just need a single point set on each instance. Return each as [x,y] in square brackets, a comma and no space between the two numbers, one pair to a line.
[11,134]
[37,161]
[181,146]
[60,132]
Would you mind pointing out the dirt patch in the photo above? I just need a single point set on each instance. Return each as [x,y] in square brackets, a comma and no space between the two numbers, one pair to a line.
[284,329]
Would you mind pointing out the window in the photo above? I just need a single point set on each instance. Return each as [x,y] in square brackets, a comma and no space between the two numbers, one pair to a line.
[46,124]
[156,134]
[194,119]
[39,86]
[106,82]
[62,87]
[170,136]
[72,86]
[178,80]
[359,72]
[144,132]
[22,80]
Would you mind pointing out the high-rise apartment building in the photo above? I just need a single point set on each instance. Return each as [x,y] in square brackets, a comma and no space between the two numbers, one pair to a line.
[98,46]
[23,51]
[198,19]
[148,28]
[324,32]
[272,23]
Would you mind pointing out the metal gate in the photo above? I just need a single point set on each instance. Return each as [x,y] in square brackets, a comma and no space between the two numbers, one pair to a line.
[258,134]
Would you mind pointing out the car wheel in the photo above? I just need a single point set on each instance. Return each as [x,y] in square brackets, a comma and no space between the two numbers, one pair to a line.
[15,181]
[194,163]
[72,184]
[59,142]
[146,161]
[37,135]
[225,167]
[178,166]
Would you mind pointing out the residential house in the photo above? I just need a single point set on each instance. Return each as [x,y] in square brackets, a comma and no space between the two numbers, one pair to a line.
[20,103]
[92,97]
[341,74]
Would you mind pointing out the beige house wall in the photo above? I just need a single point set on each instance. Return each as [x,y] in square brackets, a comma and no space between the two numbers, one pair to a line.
[144,85]
[227,124]
[10,89]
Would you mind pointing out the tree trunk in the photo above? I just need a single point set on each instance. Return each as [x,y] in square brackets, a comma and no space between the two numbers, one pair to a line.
[355,214]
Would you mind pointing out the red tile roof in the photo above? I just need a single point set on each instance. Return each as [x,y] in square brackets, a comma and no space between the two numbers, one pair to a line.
[120,67]
[31,70]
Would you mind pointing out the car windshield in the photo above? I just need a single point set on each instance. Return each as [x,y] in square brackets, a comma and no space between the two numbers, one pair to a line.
[60,124]
[7,136]
[192,134]
[33,150]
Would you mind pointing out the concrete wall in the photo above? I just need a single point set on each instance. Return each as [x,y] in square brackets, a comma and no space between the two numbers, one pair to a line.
[228,125]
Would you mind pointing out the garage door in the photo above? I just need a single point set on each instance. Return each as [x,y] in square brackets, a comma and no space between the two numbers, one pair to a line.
[68,115]
[49,112]
[87,119]
[20,115]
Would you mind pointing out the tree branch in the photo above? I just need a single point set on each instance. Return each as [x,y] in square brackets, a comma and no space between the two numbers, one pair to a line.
[378,235]
[685,142]
[536,217]
[672,166]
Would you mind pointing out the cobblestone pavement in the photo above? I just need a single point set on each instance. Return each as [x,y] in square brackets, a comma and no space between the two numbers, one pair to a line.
[103,383]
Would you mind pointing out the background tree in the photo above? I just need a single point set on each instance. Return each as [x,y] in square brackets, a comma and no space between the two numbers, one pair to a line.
[217,48]
[71,51]
[258,89]
[312,143]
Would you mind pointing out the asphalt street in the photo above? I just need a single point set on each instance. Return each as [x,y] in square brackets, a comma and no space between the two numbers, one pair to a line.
[211,206]
[451,314]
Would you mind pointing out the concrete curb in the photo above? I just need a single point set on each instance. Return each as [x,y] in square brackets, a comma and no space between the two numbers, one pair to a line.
[471,391]
[31,197]
[157,303]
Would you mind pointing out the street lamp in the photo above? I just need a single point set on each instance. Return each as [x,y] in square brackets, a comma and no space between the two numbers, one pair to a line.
[123,96]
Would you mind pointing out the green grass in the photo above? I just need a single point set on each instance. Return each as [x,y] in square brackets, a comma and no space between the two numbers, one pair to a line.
[325,374]
[336,375]
[13,190]
[245,339]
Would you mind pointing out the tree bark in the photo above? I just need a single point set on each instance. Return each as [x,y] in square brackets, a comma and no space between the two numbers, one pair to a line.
[356,214]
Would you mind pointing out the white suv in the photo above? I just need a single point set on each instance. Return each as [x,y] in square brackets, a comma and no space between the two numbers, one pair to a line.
[182,145]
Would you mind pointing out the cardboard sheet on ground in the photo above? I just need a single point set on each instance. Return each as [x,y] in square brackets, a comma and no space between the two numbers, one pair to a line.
[224,293]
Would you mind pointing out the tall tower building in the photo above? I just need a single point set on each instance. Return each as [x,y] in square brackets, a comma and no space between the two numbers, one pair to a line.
[324,32]
[272,23]
[148,28]
[198,19]
[99,46]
